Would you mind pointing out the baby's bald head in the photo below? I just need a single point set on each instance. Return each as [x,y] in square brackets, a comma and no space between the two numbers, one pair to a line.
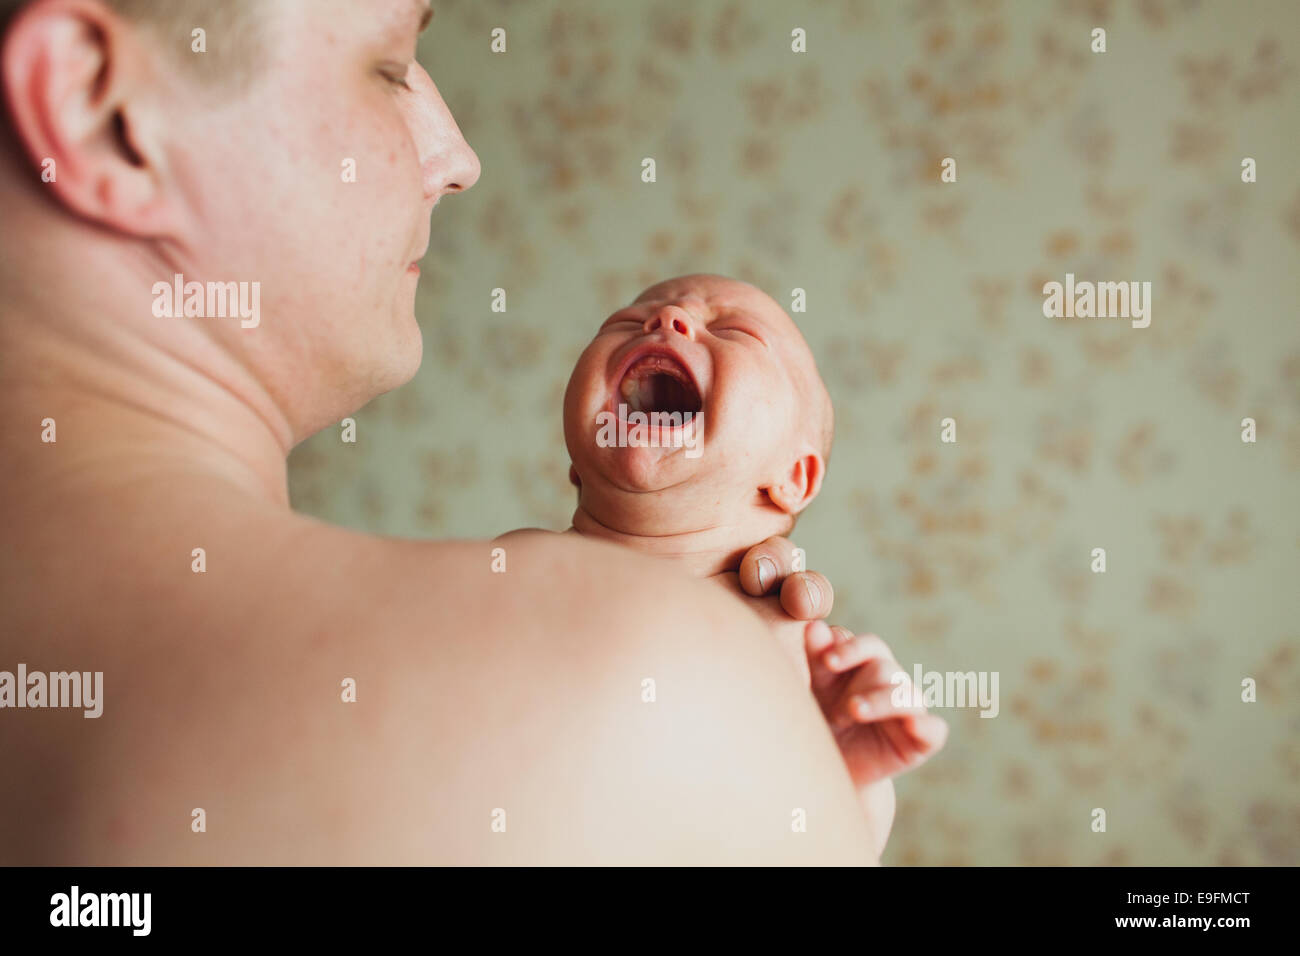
[817,415]
[725,353]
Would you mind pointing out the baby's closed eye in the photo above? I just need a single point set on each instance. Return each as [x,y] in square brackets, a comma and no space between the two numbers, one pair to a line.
[735,330]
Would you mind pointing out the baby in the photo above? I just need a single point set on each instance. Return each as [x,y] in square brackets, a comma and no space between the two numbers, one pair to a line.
[698,427]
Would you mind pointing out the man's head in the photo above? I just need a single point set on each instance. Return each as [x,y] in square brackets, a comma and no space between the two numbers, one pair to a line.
[231,23]
[305,155]
[726,352]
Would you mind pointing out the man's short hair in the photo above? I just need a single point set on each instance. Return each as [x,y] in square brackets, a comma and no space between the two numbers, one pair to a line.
[229,34]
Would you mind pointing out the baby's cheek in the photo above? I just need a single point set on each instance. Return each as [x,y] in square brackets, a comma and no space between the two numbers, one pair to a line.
[767,428]
[583,393]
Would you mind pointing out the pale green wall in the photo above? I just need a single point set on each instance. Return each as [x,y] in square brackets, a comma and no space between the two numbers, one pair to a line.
[820,171]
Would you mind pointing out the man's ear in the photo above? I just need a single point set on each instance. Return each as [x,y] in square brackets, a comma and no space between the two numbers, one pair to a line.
[799,486]
[73,73]
[573,477]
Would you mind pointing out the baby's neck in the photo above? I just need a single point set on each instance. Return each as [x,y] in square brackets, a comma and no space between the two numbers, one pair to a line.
[702,552]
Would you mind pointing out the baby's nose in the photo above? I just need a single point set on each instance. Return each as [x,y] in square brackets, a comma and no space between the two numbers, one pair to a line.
[671,318]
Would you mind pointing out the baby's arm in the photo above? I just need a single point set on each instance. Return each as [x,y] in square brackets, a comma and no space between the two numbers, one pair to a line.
[864,744]
[880,728]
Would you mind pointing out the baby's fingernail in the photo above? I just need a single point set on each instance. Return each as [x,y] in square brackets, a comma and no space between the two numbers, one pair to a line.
[766,573]
[832,660]
[861,707]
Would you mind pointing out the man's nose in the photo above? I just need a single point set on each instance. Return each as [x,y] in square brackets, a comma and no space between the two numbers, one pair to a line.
[447,163]
[672,318]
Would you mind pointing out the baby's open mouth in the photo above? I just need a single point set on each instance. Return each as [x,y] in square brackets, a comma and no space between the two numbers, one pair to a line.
[659,383]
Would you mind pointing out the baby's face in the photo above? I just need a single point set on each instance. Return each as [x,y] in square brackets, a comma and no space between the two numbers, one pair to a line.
[719,349]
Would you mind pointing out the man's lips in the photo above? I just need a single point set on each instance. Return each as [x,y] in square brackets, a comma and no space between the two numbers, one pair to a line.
[414,264]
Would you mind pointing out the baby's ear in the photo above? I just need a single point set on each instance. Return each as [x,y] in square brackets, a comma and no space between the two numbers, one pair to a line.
[800,485]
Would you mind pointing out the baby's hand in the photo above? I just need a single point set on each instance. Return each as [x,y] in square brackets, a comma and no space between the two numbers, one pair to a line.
[850,678]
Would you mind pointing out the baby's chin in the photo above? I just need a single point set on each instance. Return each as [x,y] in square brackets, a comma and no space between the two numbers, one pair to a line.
[645,452]
[646,469]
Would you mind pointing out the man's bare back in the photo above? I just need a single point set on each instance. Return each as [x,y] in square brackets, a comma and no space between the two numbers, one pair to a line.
[498,717]
[480,697]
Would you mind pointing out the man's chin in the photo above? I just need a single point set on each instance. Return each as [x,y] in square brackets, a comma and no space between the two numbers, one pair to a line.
[411,355]
[399,362]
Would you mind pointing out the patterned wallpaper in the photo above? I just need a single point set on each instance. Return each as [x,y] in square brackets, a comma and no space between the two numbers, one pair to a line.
[821,170]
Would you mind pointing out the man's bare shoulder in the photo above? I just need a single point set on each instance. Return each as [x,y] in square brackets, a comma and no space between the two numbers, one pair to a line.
[632,712]
[373,700]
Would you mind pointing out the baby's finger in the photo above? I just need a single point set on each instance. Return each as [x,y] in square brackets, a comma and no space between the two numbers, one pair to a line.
[856,650]
[766,565]
[929,732]
[867,707]
[807,595]
[817,636]
[916,740]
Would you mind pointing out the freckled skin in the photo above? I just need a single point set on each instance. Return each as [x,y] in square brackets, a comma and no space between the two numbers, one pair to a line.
[474,690]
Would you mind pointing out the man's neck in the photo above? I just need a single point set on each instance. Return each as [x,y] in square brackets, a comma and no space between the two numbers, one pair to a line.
[129,394]
[702,551]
